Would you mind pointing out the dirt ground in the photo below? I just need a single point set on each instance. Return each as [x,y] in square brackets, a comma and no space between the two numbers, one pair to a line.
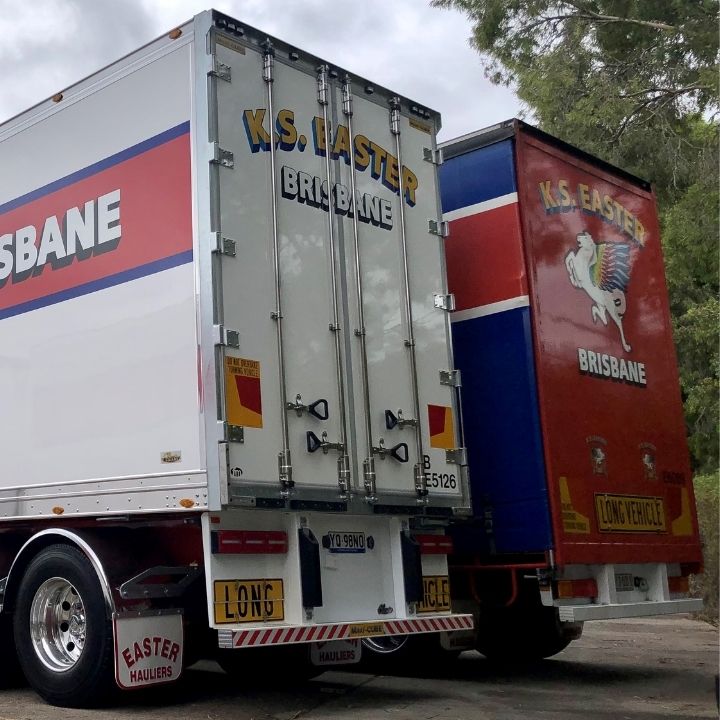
[643,669]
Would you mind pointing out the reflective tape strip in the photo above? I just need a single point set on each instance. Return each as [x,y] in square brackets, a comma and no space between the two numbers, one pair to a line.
[338,631]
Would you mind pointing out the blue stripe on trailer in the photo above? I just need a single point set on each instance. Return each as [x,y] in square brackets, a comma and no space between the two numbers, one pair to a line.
[502,432]
[477,176]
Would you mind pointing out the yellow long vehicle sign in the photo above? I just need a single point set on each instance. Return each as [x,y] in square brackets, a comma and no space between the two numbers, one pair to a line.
[629,513]
[239,601]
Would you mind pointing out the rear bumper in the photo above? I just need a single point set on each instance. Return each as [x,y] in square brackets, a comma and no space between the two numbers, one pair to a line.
[580,613]
[275,634]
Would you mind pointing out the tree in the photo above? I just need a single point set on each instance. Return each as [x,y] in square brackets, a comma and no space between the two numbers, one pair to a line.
[636,83]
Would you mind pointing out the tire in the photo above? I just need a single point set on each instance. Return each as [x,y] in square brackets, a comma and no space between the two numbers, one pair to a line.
[260,666]
[524,635]
[63,634]
[413,652]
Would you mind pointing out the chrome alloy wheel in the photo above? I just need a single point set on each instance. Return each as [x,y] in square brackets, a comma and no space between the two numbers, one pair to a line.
[57,624]
[384,645]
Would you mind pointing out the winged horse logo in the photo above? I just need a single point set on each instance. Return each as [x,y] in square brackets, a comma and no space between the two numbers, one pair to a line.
[602,270]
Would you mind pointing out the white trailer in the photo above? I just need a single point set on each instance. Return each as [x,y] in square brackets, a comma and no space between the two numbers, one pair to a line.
[228,416]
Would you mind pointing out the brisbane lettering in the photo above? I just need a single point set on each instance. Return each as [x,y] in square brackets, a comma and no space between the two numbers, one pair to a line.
[77,234]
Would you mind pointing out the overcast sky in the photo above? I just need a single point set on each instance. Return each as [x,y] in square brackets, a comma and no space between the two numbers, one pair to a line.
[406,45]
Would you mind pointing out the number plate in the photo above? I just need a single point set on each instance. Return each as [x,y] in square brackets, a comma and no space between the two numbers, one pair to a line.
[436,594]
[242,601]
[624,582]
[345,542]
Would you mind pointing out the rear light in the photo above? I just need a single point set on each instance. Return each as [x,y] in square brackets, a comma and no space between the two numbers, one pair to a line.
[679,584]
[249,542]
[434,544]
[577,588]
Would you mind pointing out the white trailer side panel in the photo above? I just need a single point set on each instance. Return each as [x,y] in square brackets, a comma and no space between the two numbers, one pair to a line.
[98,340]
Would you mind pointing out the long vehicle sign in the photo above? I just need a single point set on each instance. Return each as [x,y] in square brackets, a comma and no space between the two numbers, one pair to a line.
[240,601]
[629,513]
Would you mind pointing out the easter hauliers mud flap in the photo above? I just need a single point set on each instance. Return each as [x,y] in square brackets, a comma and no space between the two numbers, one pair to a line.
[148,649]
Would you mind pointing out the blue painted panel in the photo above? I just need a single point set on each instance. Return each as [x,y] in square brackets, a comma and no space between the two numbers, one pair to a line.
[502,429]
[478,175]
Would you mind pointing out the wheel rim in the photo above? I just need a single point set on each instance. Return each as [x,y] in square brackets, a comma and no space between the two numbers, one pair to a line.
[384,645]
[57,624]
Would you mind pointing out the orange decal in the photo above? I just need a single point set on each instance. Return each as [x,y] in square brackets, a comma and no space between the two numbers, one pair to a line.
[442,427]
[683,525]
[242,392]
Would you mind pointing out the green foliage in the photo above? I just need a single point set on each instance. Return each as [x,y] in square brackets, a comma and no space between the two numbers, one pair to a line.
[707,497]
[636,83]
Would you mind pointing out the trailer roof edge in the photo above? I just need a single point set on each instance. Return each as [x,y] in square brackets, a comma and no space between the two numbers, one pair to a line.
[510,128]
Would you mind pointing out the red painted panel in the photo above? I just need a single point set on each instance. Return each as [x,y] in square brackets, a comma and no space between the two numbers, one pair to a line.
[485,259]
[155,220]
[614,432]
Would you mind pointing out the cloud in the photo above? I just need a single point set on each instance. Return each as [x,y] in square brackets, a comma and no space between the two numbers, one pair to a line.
[49,44]
[419,51]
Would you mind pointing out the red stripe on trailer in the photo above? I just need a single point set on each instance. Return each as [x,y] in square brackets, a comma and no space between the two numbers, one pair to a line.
[316,633]
[155,221]
[484,257]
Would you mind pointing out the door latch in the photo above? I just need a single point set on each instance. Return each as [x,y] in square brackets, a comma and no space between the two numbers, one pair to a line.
[319,409]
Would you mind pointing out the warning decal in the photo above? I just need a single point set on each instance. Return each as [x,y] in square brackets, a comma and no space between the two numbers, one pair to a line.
[242,391]
[573,521]
[442,428]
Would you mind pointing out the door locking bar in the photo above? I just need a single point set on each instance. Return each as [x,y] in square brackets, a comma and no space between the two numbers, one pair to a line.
[285,477]
[369,475]
[323,98]
[419,477]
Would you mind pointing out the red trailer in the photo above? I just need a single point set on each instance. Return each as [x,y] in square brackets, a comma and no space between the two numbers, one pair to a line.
[583,504]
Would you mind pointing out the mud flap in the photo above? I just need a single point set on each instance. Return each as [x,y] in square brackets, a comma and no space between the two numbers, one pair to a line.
[148,649]
[336,652]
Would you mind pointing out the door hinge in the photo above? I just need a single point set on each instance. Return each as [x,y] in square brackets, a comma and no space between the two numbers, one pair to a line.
[434,156]
[221,71]
[450,377]
[234,433]
[225,246]
[444,302]
[456,456]
[222,157]
[228,338]
[439,228]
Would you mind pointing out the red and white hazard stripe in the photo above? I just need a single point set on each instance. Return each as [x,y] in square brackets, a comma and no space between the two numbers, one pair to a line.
[274,635]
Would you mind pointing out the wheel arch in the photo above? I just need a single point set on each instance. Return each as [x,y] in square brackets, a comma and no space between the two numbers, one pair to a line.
[38,542]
